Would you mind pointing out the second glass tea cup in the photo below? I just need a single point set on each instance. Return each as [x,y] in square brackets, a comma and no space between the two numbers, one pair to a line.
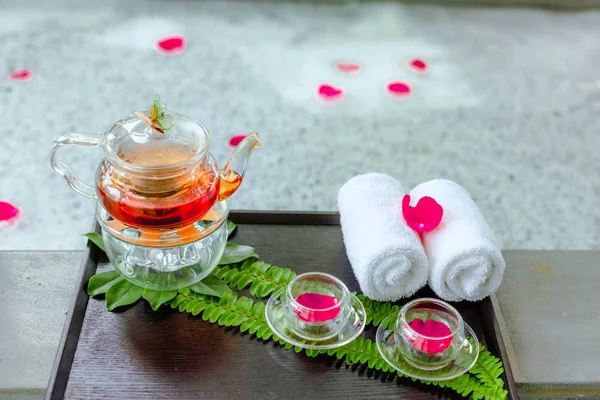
[429,341]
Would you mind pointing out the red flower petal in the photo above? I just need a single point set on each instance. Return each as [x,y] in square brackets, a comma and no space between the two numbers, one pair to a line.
[425,216]
[329,92]
[236,139]
[8,213]
[418,64]
[174,44]
[348,67]
[399,88]
[21,75]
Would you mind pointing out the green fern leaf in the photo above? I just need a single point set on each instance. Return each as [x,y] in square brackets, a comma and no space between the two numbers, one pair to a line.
[199,307]
[190,304]
[239,319]
[254,327]
[185,291]
[244,281]
[208,311]
[263,331]
[177,300]
[287,276]
[246,325]
[274,274]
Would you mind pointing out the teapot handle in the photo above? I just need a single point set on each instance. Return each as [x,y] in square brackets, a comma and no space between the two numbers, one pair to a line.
[64,170]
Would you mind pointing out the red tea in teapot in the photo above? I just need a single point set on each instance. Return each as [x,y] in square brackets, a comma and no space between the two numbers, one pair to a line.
[162,203]
[158,171]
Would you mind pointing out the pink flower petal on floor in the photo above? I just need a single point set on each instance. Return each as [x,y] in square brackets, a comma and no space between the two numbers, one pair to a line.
[9,213]
[398,88]
[236,139]
[347,67]
[418,64]
[329,92]
[171,45]
[21,75]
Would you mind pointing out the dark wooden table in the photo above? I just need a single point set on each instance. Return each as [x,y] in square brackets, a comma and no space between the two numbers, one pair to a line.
[138,353]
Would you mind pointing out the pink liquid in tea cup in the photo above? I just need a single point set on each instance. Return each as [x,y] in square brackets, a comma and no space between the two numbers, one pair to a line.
[316,302]
[429,329]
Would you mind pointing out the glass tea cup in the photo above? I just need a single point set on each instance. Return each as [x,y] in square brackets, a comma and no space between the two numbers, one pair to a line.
[316,305]
[315,311]
[429,333]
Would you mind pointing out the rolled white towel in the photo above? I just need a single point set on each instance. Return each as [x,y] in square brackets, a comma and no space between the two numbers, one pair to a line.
[465,262]
[386,255]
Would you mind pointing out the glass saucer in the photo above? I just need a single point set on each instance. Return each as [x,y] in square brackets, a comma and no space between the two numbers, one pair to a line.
[458,364]
[279,324]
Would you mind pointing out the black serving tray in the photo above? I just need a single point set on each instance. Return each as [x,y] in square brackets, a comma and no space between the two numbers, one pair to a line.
[139,353]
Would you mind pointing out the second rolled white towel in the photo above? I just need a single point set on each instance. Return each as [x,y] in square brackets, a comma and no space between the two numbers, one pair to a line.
[465,262]
[386,255]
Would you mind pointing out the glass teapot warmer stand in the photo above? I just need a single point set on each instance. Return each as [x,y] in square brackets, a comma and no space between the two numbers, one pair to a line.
[166,259]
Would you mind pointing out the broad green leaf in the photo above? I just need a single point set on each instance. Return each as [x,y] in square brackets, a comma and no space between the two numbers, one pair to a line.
[100,283]
[237,252]
[211,286]
[96,238]
[230,227]
[156,298]
[123,293]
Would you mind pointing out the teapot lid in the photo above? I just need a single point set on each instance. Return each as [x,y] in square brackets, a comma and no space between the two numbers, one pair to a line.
[156,138]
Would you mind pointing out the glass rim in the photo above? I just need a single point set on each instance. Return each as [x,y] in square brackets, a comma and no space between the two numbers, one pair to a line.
[338,282]
[453,311]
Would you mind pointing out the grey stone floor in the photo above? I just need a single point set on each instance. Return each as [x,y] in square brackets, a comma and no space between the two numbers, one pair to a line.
[509,108]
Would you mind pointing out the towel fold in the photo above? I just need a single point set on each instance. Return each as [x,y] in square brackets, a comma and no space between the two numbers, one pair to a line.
[386,255]
[465,262]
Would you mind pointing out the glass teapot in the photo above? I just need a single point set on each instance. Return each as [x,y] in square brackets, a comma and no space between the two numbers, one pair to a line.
[157,171]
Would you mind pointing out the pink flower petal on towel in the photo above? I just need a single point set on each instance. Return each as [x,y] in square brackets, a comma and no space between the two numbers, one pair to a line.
[425,216]
[329,92]
[21,75]
[171,45]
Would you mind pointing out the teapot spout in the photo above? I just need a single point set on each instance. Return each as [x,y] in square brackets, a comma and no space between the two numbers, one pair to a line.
[231,176]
